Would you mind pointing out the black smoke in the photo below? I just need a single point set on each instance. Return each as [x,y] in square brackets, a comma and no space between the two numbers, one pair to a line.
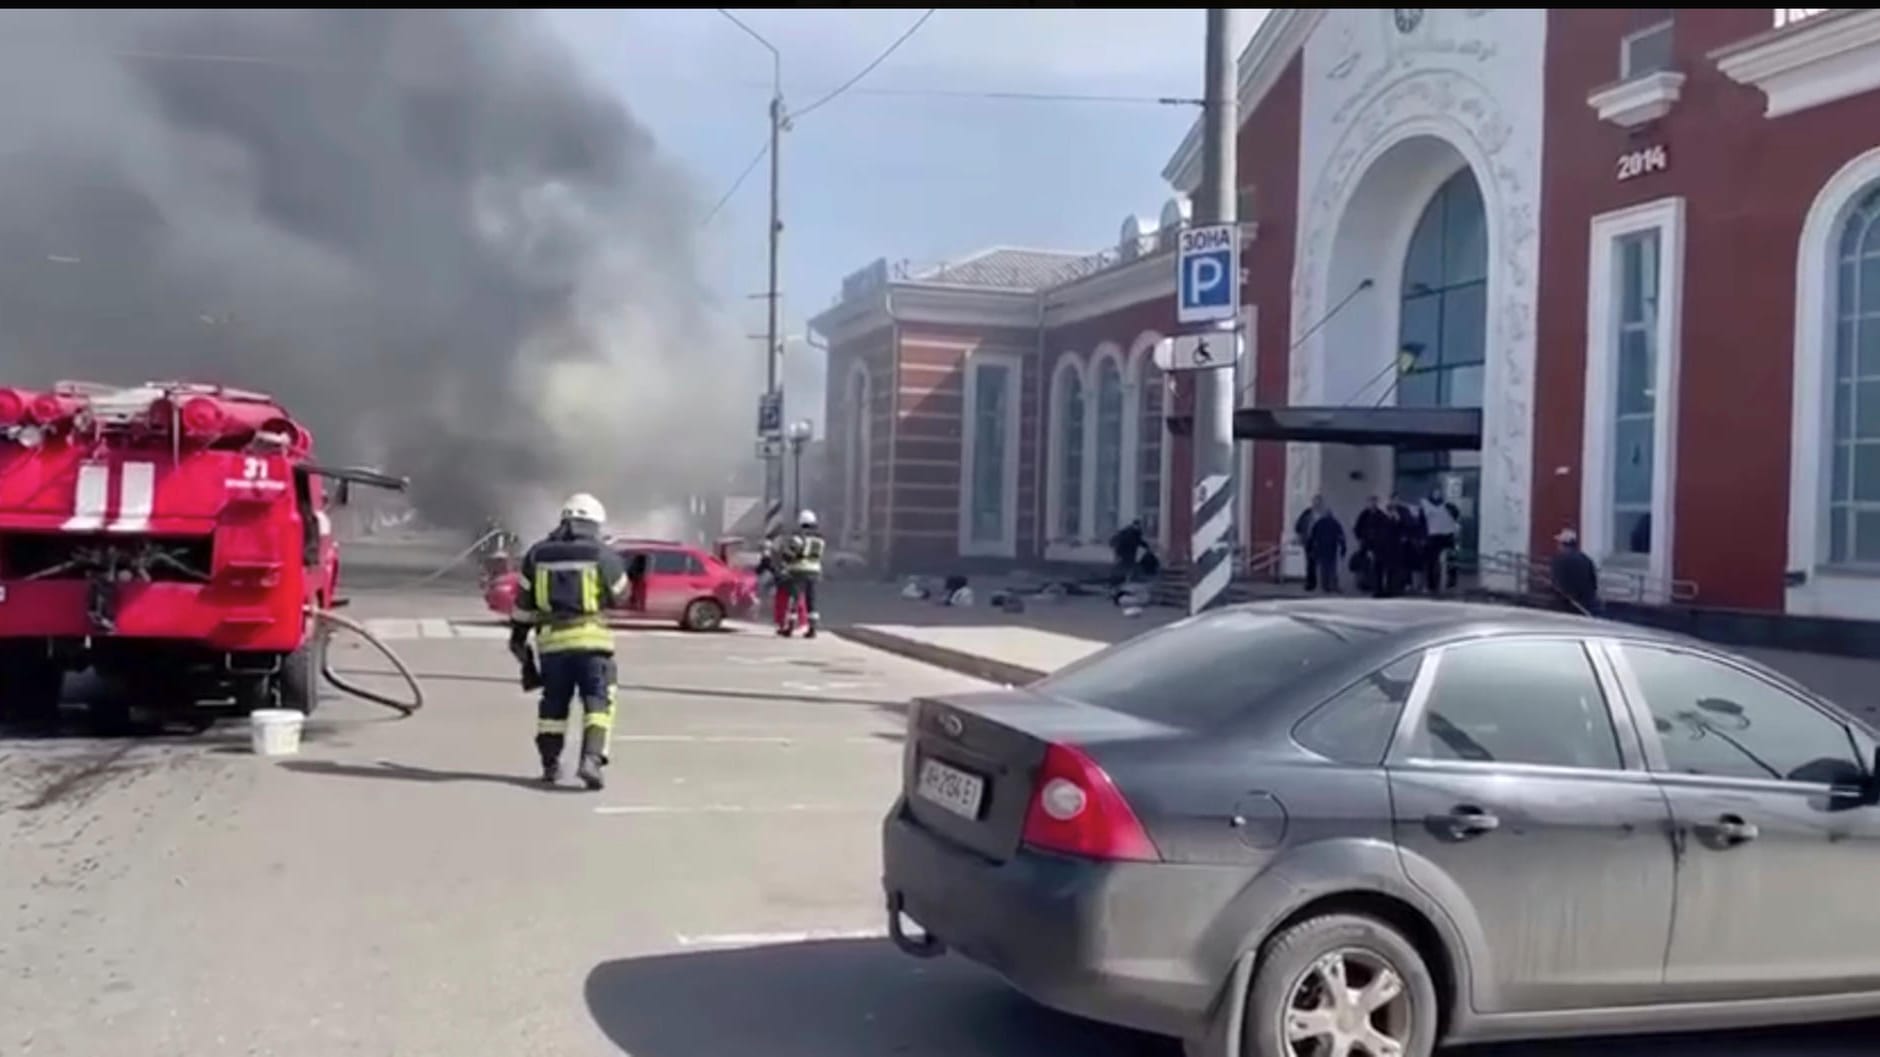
[428,232]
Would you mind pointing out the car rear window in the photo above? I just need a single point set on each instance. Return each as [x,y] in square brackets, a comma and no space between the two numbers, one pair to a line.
[1205,670]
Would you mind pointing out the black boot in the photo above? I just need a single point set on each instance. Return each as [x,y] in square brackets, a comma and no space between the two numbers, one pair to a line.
[551,772]
[590,772]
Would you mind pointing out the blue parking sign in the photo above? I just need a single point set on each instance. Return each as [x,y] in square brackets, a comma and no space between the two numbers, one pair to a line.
[1207,280]
[770,414]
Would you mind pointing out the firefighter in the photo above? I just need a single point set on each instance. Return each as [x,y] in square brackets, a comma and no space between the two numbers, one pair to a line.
[803,555]
[568,582]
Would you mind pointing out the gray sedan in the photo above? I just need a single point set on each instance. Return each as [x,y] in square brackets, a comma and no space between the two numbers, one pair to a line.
[1359,829]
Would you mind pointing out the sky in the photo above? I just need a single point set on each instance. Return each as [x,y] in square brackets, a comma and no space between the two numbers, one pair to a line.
[895,167]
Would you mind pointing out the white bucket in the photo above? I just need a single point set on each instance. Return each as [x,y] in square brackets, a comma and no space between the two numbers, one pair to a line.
[276,731]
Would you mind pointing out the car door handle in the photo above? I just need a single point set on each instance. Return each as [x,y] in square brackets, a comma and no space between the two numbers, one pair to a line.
[1728,831]
[1466,820]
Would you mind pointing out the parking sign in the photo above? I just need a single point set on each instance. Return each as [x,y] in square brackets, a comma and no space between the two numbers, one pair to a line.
[1207,279]
[770,414]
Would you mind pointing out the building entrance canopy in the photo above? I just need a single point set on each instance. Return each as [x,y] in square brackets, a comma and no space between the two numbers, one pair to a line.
[1403,428]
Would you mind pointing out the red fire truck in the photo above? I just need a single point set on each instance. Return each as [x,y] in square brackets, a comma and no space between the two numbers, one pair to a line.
[169,536]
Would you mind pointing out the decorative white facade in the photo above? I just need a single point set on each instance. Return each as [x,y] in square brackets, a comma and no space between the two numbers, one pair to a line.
[1395,102]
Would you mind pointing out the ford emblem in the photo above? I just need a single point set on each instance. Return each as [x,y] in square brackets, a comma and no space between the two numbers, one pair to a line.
[952,725]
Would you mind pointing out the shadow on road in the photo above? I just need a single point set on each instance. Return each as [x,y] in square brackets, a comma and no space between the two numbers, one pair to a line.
[398,772]
[847,998]
[833,999]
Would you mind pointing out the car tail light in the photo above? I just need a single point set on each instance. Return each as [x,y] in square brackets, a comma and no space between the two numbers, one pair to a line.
[1076,810]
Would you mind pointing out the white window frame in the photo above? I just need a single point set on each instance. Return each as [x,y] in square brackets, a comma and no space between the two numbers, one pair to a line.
[1007,545]
[1056,549]
[1626,70]
[857,488]
[1666,215]
[1136,382]
[1093,436]
[1824,590]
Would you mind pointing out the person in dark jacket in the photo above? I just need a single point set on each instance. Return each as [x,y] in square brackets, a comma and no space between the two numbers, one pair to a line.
[1575,577]
[1127,547]
[568,583]
[1322,536]
[1368,532]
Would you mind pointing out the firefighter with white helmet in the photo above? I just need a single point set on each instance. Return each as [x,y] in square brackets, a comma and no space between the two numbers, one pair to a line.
[568,583]
[802,561]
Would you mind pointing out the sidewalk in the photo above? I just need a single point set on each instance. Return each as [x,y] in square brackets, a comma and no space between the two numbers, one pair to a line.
[1018,648]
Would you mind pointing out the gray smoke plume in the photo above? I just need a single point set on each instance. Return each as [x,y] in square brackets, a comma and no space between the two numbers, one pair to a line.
[442,246]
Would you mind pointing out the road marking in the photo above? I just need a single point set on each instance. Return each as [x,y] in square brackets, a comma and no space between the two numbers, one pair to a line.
[435,629]
[774,939]
[738,809]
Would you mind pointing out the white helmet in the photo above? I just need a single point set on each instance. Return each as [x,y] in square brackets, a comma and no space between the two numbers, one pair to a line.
[584,507]
[807,519]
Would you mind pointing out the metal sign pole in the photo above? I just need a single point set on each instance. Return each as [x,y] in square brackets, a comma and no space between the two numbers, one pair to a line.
[1210,548]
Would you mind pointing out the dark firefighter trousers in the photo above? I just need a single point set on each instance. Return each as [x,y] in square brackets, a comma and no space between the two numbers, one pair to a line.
[566,674]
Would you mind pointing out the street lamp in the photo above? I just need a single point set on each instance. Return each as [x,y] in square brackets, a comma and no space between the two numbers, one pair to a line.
[801,432]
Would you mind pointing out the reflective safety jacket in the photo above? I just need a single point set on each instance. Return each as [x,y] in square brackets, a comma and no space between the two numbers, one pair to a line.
[803,553]
[569,581]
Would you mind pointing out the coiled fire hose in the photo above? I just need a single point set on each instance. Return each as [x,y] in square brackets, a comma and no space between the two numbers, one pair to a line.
[327,616]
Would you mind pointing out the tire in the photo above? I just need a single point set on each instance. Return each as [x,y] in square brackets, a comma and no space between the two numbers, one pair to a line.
[704,614]
[299,677]
[1289,976]
[34,685]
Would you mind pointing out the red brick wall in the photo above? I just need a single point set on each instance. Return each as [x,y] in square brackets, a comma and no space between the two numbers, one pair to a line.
[1268,162]
[1747,181]
[929,406]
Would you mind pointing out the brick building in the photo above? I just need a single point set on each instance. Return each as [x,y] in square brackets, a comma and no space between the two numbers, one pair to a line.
[1636,251]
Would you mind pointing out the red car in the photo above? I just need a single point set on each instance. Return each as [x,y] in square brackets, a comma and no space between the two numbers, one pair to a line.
[671,581]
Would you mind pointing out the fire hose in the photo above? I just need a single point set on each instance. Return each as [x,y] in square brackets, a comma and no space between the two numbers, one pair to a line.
[327,616]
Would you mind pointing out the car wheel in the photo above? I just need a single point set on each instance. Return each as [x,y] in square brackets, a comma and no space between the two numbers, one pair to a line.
[1341,984]
[703,614]
[34,687]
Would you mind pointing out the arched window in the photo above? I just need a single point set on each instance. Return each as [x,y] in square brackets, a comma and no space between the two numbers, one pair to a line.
[1442,334]
[1854,481]
[1067,454]
[1109,487]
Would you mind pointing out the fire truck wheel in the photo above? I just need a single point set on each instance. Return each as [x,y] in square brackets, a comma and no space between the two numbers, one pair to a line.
[34,688]
[299,681]
[703,614]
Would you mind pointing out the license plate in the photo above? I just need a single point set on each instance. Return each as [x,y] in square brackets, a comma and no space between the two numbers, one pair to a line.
[951,788]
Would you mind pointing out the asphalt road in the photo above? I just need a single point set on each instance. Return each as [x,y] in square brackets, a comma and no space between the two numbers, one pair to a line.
[403,887]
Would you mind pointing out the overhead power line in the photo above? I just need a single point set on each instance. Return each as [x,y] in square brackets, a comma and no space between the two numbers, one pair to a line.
[870,68]
[764,151]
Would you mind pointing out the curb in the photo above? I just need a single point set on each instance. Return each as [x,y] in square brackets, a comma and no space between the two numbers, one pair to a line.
[969,664]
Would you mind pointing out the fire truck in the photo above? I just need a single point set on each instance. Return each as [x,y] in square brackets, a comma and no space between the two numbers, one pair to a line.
[172,537]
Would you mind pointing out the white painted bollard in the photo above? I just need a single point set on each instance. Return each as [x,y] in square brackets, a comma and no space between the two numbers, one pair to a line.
[276,731]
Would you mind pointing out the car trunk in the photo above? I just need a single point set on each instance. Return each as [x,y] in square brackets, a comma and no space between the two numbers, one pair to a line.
[971,760]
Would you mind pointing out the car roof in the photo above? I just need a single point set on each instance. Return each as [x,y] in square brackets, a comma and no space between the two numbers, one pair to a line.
[1424,619]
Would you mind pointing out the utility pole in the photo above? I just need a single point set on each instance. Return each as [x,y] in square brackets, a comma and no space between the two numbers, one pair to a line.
[773,342]
[1211,565]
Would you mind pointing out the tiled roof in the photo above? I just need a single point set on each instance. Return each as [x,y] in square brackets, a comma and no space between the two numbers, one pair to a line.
[1011,269]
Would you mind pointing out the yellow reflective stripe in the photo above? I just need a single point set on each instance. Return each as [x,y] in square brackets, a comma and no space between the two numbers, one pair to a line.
[600,719]
[540,601]
[590,590]
[551,726]
[585,635]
